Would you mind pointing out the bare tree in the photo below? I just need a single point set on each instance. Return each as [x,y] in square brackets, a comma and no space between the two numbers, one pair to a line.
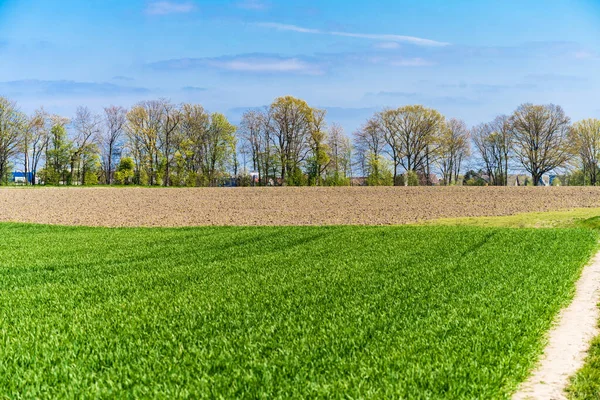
[369,143]
[388,123]
[115,119]
[585,138]
[34,141]
[340,153]
[454,148]
[502,126]
[255,134]
[419,128]
[87,127]
[171,116]
[541,138]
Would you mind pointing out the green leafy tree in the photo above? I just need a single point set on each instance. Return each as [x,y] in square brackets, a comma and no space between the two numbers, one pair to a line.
[290,125]
[58,153]
[319,148]
[380,173]
[584,137]
[125,171]
[13,124]
[217,149]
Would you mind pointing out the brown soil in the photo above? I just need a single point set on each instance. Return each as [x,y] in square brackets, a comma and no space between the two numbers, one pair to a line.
[279,206]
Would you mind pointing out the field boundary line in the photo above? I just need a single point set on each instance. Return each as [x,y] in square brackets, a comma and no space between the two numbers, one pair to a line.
[568,340]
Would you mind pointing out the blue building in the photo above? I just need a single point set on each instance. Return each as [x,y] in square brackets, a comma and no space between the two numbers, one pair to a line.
[19,177]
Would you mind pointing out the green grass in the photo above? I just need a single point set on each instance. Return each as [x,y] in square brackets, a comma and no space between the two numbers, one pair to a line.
[279,312]
[579,217]
[586,383]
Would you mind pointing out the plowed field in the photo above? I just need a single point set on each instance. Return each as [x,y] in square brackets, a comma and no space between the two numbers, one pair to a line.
[279,206]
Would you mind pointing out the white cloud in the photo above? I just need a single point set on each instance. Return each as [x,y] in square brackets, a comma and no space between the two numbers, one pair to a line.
[256,5]
[586,55]
[169,7]
[388,45]
[252,63]
[267,65]
[381,37]
[411,62]
[400,62]
[292,28]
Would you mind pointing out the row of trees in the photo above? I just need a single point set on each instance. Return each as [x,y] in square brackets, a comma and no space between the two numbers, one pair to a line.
[289,143]
[538,139]
[155,142]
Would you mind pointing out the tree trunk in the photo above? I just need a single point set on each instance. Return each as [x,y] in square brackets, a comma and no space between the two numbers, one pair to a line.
[109,171]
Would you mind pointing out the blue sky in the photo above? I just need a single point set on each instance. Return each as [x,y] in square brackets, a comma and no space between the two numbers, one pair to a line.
[469,59]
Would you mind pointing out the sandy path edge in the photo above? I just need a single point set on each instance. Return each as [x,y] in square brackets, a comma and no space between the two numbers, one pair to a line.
[568,340]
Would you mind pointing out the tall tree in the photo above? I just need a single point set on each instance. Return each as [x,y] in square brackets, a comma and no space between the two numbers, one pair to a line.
[369,144]
[217,148]
[34,142]
[144,124]
[585,140]
[87,127]
[318,146]
[58,151]
[12,125]
[115,118]
[453,149]
[171,118]
[541,138]
[418,130]
[194,129]
[340,155]
[489,148]
[255,135]
[290,123]
[388,121]
[502,127]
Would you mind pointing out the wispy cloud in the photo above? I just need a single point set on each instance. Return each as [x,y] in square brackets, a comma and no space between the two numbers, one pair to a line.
[422,98]
[256,5]
[169,7]
[193,89]
[251,63]
[387,45]
[380,37]
[122,78]
[555,78]
[394,94]
[64,87]
[411,62]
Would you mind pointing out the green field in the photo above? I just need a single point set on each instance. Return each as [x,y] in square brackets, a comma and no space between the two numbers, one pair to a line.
[342,312]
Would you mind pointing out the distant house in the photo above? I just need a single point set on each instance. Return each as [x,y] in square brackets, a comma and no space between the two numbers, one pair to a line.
[21,178]
[548,180]
[518,180]
[524,180]
[358,181]
[434,180]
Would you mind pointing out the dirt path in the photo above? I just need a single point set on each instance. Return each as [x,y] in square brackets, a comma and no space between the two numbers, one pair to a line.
[568,341]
